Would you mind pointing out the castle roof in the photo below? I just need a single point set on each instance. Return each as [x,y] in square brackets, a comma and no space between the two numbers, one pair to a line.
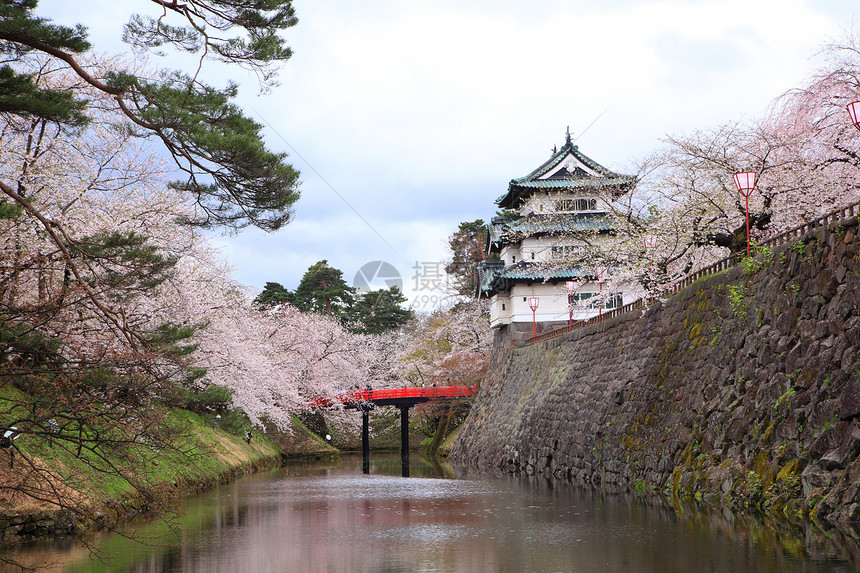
[507,229]
[494,276]
[567,170]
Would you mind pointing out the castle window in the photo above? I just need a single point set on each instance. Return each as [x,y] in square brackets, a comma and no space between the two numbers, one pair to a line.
[573,205]
[565,252]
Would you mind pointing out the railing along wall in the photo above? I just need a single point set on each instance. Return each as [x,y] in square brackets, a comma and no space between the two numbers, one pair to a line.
[719,266]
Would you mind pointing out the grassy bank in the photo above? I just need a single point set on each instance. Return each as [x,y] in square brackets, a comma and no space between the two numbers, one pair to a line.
[53,489]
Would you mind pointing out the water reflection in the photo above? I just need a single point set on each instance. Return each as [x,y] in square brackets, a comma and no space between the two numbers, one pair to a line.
[333,518]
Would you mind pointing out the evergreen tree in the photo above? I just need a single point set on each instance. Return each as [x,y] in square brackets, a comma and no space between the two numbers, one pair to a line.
[273,293]
[323,290]
[233,178]
[467,247]
[378,311]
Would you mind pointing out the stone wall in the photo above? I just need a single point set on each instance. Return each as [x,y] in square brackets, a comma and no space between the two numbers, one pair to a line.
[519,334]
[743,389]
[38,524]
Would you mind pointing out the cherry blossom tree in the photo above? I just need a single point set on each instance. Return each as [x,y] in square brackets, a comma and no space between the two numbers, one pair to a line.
[89,225]
[87,235]
[276,360]
[91,239]
[95,225]
[448,347]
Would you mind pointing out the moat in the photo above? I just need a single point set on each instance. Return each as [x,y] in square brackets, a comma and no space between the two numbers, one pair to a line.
[331,517]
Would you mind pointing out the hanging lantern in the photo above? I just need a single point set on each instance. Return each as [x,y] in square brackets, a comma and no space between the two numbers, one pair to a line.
[854,112]
[745,182]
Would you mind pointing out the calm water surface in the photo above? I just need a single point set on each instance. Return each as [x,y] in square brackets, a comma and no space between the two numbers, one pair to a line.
[332,518]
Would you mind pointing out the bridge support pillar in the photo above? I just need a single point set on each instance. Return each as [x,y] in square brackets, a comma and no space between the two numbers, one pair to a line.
[365,440]
[404,439]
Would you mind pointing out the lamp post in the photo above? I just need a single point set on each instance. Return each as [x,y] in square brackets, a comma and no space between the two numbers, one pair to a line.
[745,182]
[600,275]
[854,112]
[571,287]
[533,304]
[649,242]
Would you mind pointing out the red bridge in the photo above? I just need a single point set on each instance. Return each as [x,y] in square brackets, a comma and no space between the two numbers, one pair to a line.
[403,398]
[398,396]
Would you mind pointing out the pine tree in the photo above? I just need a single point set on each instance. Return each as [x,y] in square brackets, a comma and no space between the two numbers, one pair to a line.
[379,311]
[273,294]
[467,246]
[323,290]
[233,178]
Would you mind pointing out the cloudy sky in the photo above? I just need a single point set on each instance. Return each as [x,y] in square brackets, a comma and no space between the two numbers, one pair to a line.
[406,118]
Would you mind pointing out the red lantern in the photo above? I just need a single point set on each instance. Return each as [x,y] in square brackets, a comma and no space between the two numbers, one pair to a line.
[649,242]
[571,287]
[745,182]
[533,304]
[854,112]
[600,275]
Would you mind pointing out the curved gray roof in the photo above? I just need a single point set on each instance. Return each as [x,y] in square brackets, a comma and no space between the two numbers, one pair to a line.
[579,179]
[504,229]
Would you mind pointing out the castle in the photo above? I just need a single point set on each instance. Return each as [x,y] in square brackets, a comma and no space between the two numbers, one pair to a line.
[539,243]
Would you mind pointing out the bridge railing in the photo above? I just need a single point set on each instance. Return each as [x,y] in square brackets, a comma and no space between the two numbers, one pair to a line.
[794,233]
[418,392]
[423,392]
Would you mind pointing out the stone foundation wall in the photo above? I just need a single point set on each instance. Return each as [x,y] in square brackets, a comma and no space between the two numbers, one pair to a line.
[519,334]
[742,389]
